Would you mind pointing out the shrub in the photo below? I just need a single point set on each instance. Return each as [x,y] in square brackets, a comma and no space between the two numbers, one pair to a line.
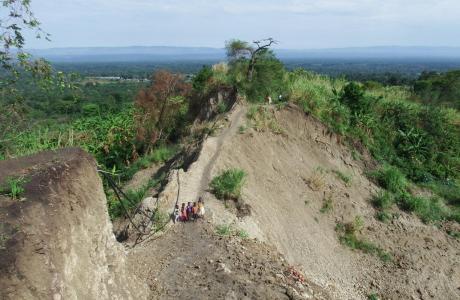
[390,178]
[344,177]
[428,209]
[223,229]
[14,187]
[384,199]
[327,205]
[228,184]
[348,237]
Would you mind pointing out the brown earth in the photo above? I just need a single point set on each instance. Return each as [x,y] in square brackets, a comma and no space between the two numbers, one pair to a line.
[192,262]
[291,176]
[57,240]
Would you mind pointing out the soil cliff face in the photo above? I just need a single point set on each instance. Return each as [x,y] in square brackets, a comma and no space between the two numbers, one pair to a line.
[57,240]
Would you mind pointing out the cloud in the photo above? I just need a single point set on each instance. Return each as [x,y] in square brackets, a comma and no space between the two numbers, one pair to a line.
[298,23]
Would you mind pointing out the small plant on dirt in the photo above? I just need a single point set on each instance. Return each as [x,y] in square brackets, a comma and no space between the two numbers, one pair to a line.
[391,178]
[242,129]
[455,234]
[373,296]
[224,229]
[160,219]
[383,199]
[221,107]
[327,205]
[317,180]
[263,118]
[228,184]
[348,237]
[344,177]
[383,216]
[14,187]
[242,234]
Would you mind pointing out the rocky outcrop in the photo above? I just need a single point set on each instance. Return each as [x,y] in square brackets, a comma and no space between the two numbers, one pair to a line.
[57,240]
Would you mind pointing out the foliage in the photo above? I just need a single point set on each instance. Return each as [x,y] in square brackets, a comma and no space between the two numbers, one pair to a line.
[348,237]
[201,79]
[223,229]
[14,187]
[132,200]
[255,70]
[439,88]
[390,178]
[327,205]
[228,184]
[346,178]
[160,154]
[262,118]
[161,109]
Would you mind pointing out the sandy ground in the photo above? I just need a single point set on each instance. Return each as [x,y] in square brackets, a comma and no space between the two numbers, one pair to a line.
[285,210]
[192,262]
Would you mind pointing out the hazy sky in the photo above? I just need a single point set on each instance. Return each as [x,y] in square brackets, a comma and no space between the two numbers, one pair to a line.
[295,23]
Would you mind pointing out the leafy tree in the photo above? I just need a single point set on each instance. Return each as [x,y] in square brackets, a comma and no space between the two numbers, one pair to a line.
[255,69]
[201,79]
[160,106]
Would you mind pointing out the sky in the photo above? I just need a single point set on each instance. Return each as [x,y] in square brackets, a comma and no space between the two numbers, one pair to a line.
[296,24]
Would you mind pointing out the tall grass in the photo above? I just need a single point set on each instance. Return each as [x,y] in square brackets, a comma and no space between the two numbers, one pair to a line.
[228,184]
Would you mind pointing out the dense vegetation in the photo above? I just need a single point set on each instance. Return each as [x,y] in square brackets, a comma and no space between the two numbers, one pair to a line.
[411,129]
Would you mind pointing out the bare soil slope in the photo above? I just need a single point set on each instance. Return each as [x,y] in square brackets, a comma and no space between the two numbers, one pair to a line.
[292,176]
[297,197]
[192,262]
[57,240]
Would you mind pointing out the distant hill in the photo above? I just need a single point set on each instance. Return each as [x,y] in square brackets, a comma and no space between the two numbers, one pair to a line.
[164,53]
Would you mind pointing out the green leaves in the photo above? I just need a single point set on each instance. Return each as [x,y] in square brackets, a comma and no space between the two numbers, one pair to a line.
[228,184]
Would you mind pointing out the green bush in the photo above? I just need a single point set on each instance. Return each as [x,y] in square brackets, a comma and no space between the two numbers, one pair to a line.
[428,209]
[223,230]
[384,199]
[391,178]
[228,184]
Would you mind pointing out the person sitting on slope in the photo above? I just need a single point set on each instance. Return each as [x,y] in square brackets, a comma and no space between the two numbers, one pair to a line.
[195,211]
[176,214]
[183,213]
[189,211]
[200,207]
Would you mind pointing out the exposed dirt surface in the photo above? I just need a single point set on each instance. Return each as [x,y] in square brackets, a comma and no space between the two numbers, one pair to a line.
[292,177]
[192,262]
[57,240]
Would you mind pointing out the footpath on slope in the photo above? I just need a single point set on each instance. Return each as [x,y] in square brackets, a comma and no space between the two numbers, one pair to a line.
[191,261]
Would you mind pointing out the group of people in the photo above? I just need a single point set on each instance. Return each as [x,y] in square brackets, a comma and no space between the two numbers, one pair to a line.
[191,212]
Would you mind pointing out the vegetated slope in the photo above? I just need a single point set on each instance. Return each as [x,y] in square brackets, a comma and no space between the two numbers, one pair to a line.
[56,237]
[304,187]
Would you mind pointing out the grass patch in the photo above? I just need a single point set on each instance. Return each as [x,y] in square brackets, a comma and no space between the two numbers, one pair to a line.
[327,205]
[373,296]
[134,198]
[317,180]
[228,184]
[160,154]
[242,129]
[262,118]
[348,237]
[224,230]
[390,178]
[344,177]
[383,200]
[242,234]
[14,187]
[383,216]
[160,219]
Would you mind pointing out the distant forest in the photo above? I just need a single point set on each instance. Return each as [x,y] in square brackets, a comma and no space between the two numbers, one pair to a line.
[386,71]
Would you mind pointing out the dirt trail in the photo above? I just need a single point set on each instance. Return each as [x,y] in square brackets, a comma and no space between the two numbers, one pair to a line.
[192,262]
[194,182]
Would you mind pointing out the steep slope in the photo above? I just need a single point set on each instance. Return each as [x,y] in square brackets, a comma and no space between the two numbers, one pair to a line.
[57,240]
[297,199]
